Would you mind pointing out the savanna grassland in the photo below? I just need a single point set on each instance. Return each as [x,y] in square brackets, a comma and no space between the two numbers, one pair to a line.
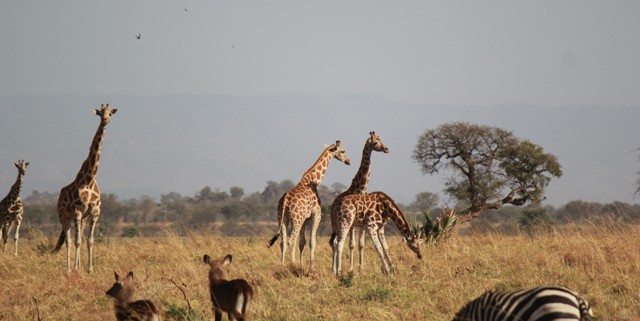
[601,263]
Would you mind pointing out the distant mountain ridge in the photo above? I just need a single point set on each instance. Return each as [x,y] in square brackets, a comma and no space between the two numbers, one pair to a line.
[181,143]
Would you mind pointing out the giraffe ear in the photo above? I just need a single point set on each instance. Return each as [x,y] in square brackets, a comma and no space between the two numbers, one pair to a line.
[97,112]
[26,164]
[338,143]
[113,111]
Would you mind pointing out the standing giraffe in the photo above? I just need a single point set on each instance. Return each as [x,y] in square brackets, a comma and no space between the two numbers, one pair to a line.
[358,186]
[371,212]
[81,199]
[11,208]
[301,203]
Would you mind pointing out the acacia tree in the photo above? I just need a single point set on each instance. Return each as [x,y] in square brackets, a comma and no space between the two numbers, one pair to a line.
[491,167]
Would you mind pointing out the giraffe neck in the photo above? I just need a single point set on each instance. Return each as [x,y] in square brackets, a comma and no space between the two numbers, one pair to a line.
[14,193]
[89,168]
[361,180]
[315,173]
[393,212]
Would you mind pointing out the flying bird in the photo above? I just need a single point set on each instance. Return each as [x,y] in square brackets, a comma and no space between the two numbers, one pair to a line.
[138,35]
[185,10]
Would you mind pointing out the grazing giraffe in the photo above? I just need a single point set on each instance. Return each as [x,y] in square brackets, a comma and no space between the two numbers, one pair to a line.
[301,204]
[372,212]
[81,199]
[358,186]
[11,208]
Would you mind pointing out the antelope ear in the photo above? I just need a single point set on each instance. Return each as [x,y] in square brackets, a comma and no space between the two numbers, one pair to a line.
[226,260]
[117,276]
[129,277]
[206,258]
[113,111]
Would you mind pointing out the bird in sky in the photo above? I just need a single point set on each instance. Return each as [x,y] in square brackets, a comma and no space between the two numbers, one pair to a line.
[185,10]
[138,35]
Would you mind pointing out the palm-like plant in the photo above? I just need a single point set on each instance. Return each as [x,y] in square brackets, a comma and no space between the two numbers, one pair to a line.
[439,229]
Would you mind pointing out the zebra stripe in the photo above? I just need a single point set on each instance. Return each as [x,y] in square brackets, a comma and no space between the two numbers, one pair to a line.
[545,303]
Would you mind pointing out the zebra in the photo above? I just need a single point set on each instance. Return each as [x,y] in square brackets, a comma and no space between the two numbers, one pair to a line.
[547,303]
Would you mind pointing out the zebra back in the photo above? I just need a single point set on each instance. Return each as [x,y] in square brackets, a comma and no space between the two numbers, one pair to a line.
[533,304]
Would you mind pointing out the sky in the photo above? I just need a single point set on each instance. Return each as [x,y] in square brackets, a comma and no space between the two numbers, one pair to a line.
[561,73]
[427,52]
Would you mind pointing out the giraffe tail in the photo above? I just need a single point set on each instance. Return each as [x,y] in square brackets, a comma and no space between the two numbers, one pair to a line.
[61,239]
[281,214]
[333,238]
[274,238]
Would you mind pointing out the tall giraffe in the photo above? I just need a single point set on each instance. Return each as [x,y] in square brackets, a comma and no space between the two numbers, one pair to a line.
[81,199]
[11,208]
[371,212]
[358,186]
[301,204]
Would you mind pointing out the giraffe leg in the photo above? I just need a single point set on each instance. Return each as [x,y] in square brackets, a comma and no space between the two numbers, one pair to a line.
[373,233]
[361,249]
[16,236]
[68,243]
[6,227]
[78,240]
[352,246]
[295,232]
[385,247]
[340,239]
[94,214]
[283,244]
[314,233]
[303,240]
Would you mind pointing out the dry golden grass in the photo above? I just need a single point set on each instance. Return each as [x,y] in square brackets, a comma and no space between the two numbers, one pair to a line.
[603,264]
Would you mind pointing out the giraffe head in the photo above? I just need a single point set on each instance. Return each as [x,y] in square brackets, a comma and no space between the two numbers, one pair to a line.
[413,242]
[338,153]
[374,143]
[105,113]
[22,166]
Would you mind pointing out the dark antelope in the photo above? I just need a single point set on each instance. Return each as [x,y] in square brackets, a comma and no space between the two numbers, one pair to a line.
[232,296]
[141,310]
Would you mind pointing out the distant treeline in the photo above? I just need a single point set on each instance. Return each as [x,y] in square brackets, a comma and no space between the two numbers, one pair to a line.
[233,213]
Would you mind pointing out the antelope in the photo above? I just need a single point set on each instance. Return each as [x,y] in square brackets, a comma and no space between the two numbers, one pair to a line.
[232,296]
[141,310]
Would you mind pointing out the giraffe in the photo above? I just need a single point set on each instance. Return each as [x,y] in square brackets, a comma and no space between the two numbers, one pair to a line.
[301,204]
[372,212]
[358,186]
[11,208]
[81,199]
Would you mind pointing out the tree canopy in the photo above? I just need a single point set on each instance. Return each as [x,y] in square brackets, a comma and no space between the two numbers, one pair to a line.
[490,166]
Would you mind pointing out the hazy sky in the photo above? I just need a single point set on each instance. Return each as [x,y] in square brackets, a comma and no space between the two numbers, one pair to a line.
[75,55]
[444,52]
